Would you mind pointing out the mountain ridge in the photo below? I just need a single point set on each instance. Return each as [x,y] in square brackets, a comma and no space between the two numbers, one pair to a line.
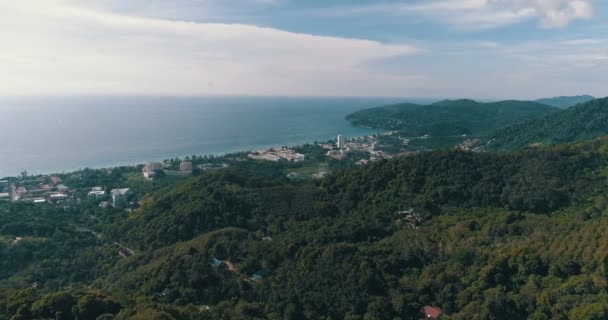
[463,116]
[582,122]
[564,102]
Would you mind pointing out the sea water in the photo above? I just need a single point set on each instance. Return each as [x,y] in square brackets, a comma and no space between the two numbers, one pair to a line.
[55,134]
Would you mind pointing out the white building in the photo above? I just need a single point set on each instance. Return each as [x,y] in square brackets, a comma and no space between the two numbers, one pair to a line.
[119,196]
[340,142]
[336,154]
[58,196]
[96,195]
[150,169]
[185,166]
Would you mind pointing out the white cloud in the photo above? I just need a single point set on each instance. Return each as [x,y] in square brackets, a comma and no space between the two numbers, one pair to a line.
[585,41]
[480,14]
[59,47]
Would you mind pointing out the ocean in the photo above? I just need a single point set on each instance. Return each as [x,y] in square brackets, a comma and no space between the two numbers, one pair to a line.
[57,134]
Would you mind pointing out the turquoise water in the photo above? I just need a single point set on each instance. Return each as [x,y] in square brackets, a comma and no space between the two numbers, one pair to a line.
[45,135]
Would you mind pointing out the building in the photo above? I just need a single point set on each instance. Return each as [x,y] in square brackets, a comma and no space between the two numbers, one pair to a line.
[340,142]
[363,162]
[120,197]
[5,196]
[177,173]
[277,155]
[185,166]
[431,312]
[96,194]
[151,168]
[336,154]
[55,180]
[58,197]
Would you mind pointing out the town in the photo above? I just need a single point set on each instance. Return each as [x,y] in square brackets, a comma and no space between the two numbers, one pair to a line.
[55,189]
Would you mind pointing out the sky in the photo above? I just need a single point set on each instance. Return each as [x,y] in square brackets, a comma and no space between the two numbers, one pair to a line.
[485,49]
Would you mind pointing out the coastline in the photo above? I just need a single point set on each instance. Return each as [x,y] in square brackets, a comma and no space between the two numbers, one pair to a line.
[62,135]
[136,163]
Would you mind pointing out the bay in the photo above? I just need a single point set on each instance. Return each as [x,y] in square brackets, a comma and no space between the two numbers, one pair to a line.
[56,134]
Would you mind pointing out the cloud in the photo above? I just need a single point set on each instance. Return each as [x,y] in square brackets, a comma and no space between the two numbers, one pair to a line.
[61,47]
[479,14]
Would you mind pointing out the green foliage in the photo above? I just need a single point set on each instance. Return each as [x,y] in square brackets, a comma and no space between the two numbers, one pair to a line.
[449,118]
[502,236]
[582,122]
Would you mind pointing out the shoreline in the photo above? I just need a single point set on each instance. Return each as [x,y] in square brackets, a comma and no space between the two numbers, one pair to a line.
[136,163]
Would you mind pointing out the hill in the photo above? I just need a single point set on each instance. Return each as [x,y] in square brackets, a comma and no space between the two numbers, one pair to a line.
[582,122]
[564,102]
[449,117]
[478,235]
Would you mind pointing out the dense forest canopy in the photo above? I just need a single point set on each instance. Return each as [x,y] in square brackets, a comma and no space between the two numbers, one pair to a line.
[477,235]
[450,117]
[582,122]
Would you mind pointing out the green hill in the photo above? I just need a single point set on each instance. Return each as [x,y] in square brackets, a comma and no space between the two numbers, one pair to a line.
[582,122]
[564,102]
[514,235]
[449,117]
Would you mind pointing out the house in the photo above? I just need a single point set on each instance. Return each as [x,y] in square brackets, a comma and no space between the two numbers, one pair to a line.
[55,180]
[216,262]
[410,217]
[258,276]
[336,154]
[120,197]
[431,312]
[58,196]
[320,175]
[363,162]
[95,195]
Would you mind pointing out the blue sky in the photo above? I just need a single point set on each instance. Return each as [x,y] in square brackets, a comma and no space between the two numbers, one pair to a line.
[429,48]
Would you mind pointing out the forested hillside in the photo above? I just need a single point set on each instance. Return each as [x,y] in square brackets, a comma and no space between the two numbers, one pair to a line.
[583,122]
[449,117]
[477,235]
[565,101]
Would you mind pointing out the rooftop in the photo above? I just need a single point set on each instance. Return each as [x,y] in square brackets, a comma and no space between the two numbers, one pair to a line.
[120,192]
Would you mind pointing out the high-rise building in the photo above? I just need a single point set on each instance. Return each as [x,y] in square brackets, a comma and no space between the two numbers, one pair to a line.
[340,142]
